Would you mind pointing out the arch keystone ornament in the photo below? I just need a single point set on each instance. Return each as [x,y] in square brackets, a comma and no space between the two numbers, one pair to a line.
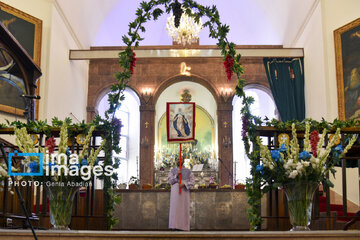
[150,11]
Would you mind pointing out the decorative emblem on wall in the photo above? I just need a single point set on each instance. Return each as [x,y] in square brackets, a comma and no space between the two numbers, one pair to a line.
[184,69]
[80,139]
[331,137]
[283,138]
[34,138]
[186,96]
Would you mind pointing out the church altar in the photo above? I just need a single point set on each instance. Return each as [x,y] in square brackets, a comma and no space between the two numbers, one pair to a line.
[201,177]
[210,209]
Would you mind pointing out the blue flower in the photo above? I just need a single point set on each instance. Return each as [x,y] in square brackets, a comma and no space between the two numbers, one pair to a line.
[282,148]
[304,155]
[34,167]
[275,154]
[260,168]
[339,148]
[67,152]
[52,164]
[84,162]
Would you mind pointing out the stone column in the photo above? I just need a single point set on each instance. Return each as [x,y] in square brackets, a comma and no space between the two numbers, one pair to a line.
[147,141]
[91,113]
[225,142]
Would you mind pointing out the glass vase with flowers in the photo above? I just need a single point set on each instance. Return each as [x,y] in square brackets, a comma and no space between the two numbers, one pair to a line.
[299,172]
[63,172]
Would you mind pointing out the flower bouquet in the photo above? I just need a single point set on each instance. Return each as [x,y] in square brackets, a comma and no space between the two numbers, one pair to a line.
[212,183]
[63,172]
[299,173]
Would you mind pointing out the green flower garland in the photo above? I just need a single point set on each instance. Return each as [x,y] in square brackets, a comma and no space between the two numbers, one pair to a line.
[148,11]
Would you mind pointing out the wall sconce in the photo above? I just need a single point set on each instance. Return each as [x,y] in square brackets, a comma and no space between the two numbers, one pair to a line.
[144,142]
[226,141]
[146,94]
[226,93]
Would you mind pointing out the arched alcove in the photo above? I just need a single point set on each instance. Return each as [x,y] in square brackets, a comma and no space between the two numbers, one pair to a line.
[206,118]
[263,105]
[129,115]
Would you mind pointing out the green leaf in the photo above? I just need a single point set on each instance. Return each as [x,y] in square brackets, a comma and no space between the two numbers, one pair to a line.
[125,39]
[157,13]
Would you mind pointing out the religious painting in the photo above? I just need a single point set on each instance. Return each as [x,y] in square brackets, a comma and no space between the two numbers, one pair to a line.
[27,30]
[180,121]
[204,132]
[347,51]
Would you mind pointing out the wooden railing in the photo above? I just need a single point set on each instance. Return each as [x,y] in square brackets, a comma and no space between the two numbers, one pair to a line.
[277,215]
[88,207]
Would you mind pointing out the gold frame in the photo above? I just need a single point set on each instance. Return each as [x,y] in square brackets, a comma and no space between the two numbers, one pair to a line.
[37,51]
[340,67]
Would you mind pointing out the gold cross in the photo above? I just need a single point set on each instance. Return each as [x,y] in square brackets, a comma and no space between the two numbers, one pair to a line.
[147,124]
[225,124]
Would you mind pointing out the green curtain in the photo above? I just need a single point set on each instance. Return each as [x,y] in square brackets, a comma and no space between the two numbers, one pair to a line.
[286,79]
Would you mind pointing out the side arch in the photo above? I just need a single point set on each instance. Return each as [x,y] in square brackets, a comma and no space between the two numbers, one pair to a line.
[94,101]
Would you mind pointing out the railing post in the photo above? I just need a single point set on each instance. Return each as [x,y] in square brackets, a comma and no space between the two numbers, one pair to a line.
[344,190]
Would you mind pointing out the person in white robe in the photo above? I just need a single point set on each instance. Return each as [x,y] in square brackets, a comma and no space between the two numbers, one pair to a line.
[179,215]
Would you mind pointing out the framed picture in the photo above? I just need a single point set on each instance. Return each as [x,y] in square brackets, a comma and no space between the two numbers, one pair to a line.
[27,30]
[347,52]
[180,121]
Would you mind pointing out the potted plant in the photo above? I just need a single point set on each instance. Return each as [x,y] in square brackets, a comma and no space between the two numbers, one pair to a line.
[134,183]
[146,186]
[240,185]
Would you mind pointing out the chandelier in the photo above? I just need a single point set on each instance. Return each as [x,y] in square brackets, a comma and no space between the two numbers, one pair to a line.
[187,32]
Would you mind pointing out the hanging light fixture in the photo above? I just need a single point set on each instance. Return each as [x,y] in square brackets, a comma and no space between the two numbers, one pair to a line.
[184,32]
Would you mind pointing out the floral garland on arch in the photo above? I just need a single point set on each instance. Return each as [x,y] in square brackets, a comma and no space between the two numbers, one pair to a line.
[150,11]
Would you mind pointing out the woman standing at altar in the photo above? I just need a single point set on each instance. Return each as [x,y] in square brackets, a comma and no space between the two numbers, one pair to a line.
[179,215]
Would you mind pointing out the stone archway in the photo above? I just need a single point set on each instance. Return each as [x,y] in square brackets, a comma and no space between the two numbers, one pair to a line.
[224,120]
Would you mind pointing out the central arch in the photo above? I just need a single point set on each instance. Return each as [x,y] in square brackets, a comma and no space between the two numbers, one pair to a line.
[181,78]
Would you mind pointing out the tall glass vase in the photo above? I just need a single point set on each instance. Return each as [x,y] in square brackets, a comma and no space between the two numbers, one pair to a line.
[60,204]
[300,197]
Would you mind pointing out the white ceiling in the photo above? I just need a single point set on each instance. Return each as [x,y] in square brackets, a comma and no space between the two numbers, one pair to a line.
[252,22]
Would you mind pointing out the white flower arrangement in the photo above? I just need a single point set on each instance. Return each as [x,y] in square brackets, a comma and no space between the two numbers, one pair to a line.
[288,164]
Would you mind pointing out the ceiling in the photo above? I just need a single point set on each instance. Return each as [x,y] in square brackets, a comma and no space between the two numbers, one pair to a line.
[252,22]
